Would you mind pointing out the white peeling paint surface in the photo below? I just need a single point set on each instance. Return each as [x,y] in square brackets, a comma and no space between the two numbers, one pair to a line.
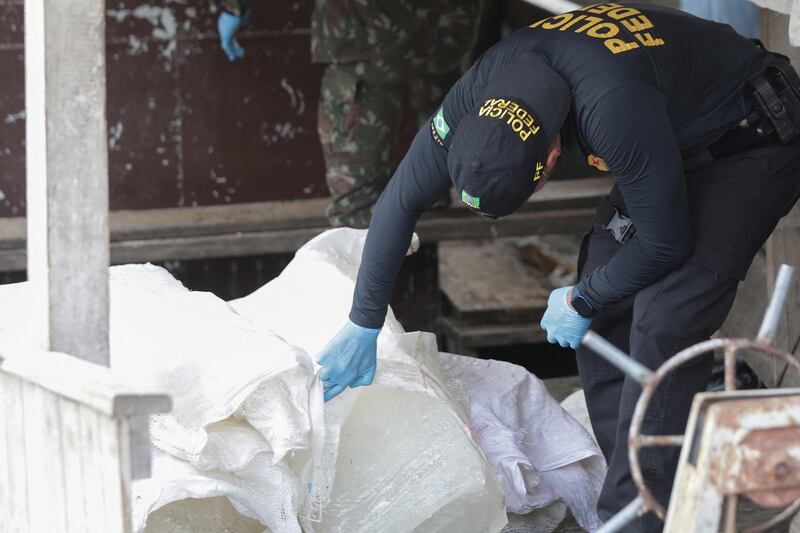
[296,98]
[165,26]
[12,118]
[114,135]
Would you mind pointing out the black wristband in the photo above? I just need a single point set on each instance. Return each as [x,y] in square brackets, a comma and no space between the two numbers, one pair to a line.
[581,304]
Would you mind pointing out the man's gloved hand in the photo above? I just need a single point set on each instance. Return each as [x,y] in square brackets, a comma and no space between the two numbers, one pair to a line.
[563,324]
[227,25]
[349,359]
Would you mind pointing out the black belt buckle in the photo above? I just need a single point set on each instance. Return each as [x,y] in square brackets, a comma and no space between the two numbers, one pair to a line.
[620,227]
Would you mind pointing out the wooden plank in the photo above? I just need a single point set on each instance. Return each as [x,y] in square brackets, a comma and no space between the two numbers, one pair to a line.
[44,465]
[13,260]
[474,336]
[212,220]
[432,228]
[67,174]
[782,247]
[12,233]
[140,446]
[87,383]
[92,468]
[261,216]
[282,227]
[14,498]
[488,282]
[73,459]
[115,471]
[5,482]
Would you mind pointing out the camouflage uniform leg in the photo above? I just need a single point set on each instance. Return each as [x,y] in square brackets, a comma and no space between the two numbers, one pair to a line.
[455,30]
[359,116]
[435,74]
[427,92]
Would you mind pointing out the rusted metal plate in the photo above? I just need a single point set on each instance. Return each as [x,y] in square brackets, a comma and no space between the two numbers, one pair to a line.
[756,444]
[186,127]
[707,438]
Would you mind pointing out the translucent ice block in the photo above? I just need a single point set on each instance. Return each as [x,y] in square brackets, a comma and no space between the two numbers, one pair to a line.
[201,514]
[406,464]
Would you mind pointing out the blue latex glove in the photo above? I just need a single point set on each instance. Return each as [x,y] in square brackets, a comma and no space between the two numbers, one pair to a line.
[227,25]
[349,359]
[563,324]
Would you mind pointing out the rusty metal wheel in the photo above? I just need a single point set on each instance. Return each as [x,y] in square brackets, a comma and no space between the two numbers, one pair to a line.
[637,440]
[650,380]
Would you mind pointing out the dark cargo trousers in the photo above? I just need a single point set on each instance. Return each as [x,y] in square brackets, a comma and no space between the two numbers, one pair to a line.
[735,204]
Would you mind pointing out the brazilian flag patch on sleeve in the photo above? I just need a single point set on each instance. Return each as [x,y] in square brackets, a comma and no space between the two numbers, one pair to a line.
[472,201]
[439,127]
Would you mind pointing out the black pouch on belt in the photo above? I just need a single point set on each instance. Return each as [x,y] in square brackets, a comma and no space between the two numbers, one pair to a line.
[777,97]
[775,118]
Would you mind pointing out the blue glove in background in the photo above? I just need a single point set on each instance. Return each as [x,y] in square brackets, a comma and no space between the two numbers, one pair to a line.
[563,324]
[349,359]
[228,25]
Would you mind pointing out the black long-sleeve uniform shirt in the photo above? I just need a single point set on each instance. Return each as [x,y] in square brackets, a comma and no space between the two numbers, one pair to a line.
[650,86]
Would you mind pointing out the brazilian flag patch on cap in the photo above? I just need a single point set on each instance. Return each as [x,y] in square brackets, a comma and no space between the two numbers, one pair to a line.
[472,201]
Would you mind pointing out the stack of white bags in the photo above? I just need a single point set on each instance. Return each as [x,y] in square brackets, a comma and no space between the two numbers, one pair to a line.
[439,443]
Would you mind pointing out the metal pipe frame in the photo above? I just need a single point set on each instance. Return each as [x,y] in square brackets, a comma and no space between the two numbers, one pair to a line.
[772,316]
[616,357]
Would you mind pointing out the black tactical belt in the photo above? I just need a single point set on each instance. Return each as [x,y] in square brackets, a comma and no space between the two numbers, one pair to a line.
[775,117]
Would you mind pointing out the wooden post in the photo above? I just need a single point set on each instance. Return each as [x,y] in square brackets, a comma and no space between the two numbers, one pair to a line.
[782,246]
[67,174]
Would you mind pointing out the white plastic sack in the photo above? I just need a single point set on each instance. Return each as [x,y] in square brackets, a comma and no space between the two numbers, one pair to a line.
[249,423]
[212,362]
[406,460]
[540,452]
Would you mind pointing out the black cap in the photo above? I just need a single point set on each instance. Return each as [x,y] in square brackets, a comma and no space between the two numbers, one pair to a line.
[499,148]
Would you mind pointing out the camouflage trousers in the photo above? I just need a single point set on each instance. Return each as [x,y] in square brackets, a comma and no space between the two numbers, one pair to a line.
[361,106]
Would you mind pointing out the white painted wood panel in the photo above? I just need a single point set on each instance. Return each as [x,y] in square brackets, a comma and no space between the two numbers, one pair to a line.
[43,467]
[86,383]
[115,477]
[15,515]
[72,459]
[91,451]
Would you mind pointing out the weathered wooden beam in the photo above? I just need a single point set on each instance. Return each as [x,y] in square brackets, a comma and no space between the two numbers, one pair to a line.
[67,174]
[782,247]
[89,384]
[282,227]
[480,336]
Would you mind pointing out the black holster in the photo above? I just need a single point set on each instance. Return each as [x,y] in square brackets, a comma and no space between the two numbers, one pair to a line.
[777,97]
